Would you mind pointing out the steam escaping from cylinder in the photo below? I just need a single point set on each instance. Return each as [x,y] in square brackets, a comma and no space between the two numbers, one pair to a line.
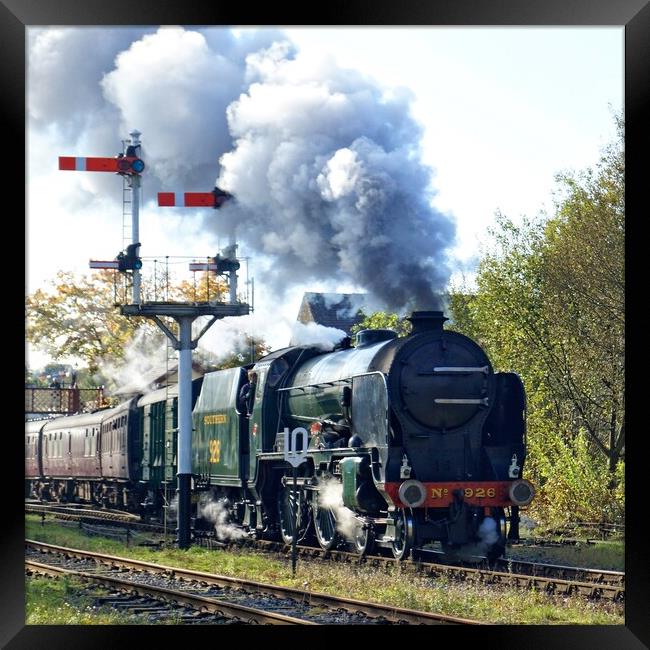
[487,532]
[216,512]
[330,496]
[172,509]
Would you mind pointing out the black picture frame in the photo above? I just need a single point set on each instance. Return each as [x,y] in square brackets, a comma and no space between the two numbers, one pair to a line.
[16,15]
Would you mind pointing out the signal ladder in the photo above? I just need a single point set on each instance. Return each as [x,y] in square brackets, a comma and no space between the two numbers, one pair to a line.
[127,212]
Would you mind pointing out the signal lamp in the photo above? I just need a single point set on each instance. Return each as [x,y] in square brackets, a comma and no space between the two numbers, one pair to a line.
[129,261]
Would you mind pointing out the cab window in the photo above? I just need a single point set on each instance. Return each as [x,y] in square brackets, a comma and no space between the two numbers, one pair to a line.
[259,388]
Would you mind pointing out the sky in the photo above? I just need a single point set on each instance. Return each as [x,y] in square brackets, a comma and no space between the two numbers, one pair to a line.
[362,159]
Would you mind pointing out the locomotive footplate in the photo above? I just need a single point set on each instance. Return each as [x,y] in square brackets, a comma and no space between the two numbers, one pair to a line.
[305,482]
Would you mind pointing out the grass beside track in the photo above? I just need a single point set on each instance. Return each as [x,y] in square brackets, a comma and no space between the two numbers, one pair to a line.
[601,555]
[60,602]
[384,585]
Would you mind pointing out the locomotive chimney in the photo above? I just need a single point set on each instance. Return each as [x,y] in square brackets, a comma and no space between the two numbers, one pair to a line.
[426,321]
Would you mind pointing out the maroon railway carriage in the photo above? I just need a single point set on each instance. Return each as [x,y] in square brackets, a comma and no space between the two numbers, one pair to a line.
[70,453]
[33,467]
[118,429]
[93,457]
[121,456]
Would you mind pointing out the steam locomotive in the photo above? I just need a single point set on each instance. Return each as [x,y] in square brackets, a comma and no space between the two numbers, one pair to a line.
[412,440]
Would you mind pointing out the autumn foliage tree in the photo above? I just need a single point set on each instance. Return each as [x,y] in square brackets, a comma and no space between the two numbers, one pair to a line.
[79,318]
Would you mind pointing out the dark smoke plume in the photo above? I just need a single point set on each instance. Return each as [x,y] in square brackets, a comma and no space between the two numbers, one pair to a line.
[327,173]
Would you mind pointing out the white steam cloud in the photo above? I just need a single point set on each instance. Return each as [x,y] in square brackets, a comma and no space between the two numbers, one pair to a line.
[217,514]
[144,358]
[331,496]
[317,335]
[233,335]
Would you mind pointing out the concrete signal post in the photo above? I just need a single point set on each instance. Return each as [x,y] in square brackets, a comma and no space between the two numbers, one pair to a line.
[184,314]
[129,165]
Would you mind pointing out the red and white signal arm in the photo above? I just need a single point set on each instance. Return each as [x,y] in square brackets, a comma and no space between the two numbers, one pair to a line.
[120,165]
[214,199]
[186,199]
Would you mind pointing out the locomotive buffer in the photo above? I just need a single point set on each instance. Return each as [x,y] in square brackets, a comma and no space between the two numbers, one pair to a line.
[130,165]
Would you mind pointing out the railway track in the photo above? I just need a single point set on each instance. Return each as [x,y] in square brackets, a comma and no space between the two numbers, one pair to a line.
[155,604]
[243,600]
[114,517]
[553,579]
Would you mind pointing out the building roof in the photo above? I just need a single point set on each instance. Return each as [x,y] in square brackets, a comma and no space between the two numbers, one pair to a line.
[340,310]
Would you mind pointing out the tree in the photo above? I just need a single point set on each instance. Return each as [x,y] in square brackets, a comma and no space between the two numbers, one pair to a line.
[80,319]
[584,278]
[383,320]
[205,288]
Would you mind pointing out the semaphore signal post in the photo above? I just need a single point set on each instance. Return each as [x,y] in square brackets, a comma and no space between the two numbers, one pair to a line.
[130,166]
